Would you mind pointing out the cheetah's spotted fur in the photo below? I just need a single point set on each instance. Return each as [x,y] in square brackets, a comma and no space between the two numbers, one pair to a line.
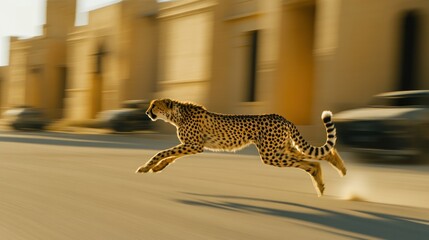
[278,141]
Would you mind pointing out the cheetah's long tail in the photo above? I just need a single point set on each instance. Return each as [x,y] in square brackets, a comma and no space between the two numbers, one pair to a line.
[317,152]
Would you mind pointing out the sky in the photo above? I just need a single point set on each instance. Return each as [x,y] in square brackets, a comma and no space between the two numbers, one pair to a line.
[25,18]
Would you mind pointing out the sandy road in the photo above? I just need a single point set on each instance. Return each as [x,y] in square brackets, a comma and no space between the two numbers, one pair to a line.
[75,186]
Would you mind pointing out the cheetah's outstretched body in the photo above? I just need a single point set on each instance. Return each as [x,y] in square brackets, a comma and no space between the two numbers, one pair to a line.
[278,141]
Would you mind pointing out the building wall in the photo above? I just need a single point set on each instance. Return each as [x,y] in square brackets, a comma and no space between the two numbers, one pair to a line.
[185,50]
[95,65]
[3,88]
[296,67]
[312,55]
[122,39]
[37,65]
[140,49]
[235,22]
[284,66]
[79,85]
[104,31]
[17,73]
[358,50]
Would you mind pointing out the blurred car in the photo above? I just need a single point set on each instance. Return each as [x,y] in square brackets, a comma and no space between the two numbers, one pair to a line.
[26,117]
[394,125]
[131,117]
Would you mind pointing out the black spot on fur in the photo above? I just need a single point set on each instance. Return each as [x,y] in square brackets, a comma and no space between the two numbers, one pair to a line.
[327,119]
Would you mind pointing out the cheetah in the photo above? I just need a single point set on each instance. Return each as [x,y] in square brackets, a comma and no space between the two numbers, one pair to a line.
[277,140]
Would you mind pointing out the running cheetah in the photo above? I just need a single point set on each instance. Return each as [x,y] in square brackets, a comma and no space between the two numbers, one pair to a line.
[278,141]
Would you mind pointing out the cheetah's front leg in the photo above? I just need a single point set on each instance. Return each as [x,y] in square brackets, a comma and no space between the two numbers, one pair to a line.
[173,153]
[163,163]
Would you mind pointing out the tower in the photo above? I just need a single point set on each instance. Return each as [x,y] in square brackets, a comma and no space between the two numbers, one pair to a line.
[60,17]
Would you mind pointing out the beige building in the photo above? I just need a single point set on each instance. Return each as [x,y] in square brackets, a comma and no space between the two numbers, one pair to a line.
[315,55]
[37,66]
[112,59]
[292,57]
[375,46]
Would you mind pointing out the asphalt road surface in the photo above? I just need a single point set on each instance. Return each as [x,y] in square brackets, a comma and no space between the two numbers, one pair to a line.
[83,186]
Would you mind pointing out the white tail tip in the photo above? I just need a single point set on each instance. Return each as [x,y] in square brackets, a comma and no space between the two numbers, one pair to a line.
[326,114]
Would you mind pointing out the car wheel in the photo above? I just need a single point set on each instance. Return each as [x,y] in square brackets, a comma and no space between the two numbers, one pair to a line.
[40,127]
[423,156]
[422,143]
[16,126]
[122,127]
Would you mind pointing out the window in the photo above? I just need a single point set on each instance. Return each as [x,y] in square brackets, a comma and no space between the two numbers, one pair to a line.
[408,71]
[252,67]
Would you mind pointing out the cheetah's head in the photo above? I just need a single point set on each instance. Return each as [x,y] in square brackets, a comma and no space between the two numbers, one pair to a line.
[161,109]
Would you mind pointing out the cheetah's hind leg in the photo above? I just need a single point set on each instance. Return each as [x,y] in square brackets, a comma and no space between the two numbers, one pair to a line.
[336,162]
[316,178]
[315,171]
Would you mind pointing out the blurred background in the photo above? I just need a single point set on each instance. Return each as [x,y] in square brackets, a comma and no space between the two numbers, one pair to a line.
[83,68]
[75,59]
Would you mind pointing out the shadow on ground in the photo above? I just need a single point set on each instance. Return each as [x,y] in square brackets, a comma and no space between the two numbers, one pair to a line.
[375,224]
